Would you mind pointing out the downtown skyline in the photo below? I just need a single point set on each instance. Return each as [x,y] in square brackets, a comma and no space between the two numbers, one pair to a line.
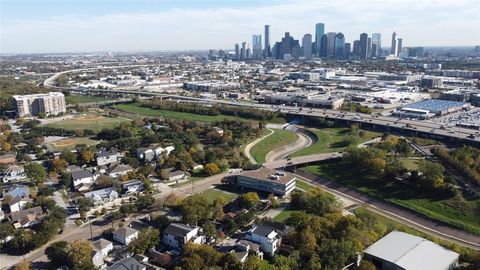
[147,25]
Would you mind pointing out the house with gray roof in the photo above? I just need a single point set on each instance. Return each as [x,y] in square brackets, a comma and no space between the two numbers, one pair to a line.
[125,235]
[21,191]
[176,235]
[129,263]
[104,157]
[268,237]
[102,196]
[82,177]
[118,170]
[13,173]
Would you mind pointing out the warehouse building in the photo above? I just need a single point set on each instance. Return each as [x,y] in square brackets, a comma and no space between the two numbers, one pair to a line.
[430,107]
[271,181]
[306,99]
[402,251]
[215,86]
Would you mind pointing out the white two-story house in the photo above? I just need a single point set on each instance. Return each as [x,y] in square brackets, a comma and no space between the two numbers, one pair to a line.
[125,235]
[177,234]
[107,157]
[268,238]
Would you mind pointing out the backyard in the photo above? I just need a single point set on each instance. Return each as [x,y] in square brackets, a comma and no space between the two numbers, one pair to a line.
[331,140]
[457,211]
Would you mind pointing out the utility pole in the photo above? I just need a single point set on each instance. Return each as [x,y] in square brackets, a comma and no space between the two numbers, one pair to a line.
[91,232]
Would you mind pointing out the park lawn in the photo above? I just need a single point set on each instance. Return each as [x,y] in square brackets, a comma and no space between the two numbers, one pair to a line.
[84,99]
[392,225]
[212,194]
[330,140]
[70,143]
[304,185]
[410,164]
[136,108]
[456,211]
[278,139]
[285,214]
[92,122]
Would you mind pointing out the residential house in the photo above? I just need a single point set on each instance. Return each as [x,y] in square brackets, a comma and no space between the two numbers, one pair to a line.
[82,177]
[104,157]
[132,186]
[196,166]
[244,248]
[21,191]
[125,235]
[175,175]
[117,170]
[26,218]
[145,154]
[102,196]
[129,263]
[101,248]
[8,158]
[13,173]
[18,203]
[177,234]
[268,238]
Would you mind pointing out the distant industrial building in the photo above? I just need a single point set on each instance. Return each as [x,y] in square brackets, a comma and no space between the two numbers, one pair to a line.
[307,99]
[431,82]
[430,107]
[399,250]
[52,103]
[211,86]
[267,180]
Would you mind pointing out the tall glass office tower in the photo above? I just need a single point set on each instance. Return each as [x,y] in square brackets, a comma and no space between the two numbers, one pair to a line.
[267,41]
[339,46]
[377,43]
[319,32]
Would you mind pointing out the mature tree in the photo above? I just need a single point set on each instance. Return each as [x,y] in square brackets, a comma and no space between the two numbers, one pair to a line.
[252,263]
[249,199]
[230,262]
[211,168]
[59,165]
[70,157]
[432,174]
[6,230]
[210,230]
[87,156]
[104,181]
[57,253]
[36,172]
[195,210]
[366,265]
[24,265]
[147,239]
[80,255]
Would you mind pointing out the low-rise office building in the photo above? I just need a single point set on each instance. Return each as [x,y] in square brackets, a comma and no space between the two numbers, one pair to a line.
[277,182]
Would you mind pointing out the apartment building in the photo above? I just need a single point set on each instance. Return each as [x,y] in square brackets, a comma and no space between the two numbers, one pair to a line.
[51,103]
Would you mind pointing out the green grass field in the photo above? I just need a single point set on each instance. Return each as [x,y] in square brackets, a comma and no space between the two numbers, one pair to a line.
[213,193]
[278,139]
[304,185]
[410,163]
[84,99]
[456,211]
[91,121]
[392,225]
[285,214]
[69,144]
[330,140]
[136,108]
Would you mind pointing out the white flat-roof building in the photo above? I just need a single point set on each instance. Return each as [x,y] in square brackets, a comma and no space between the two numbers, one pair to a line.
[52,103]
[403,251]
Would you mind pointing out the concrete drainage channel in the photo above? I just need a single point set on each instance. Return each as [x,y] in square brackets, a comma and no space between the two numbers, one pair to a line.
[306,138]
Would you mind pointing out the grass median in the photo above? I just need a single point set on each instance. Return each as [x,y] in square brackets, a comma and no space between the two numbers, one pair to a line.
[278,139]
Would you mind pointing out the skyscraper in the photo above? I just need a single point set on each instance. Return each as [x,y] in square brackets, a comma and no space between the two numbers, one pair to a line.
[331,44]
[243,51]
[323,45]
[356,48]
[369,47]
[257,46]
[319,32]
[363,45]
[267,41]
[237,51]
[347,50]
[393,48]
[377,41]
[399,46]
[307,46]
[339,46]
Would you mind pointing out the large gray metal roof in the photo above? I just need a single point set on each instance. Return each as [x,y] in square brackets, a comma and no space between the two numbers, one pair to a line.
[412,252]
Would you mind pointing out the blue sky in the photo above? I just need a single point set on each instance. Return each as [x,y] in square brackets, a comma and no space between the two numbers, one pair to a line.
[28,26]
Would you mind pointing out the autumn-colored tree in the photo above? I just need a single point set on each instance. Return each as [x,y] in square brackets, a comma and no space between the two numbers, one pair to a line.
[6,146]
[23,266]
[80,255]
[249,199]
[59,165]
[211,168]
[87,156]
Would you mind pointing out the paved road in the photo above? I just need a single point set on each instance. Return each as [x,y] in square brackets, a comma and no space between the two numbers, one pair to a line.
[303,160]
[398,213]
[302,141]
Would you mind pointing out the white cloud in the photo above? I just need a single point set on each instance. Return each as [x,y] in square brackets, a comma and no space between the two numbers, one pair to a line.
[427,22]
